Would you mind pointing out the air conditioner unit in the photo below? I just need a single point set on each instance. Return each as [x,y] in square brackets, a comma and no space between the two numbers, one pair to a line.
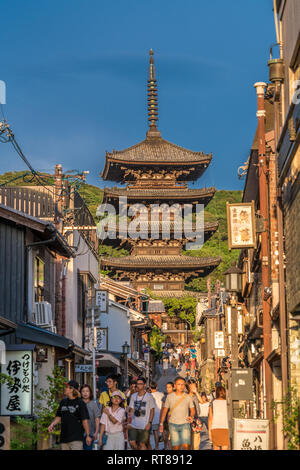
[42,316]
[135,355]
[42,313]
[51,328]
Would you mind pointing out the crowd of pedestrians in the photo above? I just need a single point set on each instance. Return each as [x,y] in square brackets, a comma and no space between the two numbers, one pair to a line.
[176,356]
[118,420]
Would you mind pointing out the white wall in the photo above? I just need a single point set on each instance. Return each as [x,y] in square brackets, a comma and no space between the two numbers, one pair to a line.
[118,327]
[85,262]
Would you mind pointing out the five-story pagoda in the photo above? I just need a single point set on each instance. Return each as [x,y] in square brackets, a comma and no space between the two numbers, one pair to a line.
[156,172]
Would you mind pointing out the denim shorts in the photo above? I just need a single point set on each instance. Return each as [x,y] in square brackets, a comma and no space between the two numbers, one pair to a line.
[180,434]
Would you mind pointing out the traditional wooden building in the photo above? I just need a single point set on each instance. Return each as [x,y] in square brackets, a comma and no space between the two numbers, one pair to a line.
[157,172]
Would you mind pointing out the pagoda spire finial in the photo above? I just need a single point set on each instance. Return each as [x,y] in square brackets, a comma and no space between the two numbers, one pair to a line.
[152,94]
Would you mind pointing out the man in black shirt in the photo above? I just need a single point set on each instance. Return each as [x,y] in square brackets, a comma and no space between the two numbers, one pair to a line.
[73,416]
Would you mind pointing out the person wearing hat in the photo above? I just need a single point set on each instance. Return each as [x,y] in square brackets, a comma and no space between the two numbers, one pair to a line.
[112,386]
[73,415]
[112,419]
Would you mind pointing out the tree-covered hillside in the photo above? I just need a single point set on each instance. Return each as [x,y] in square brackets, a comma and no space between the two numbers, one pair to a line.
[216,246]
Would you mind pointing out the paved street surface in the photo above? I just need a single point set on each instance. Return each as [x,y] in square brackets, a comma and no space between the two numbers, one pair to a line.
[162,382]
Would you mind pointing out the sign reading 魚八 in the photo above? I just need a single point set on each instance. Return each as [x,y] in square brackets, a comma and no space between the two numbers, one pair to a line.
[250,434]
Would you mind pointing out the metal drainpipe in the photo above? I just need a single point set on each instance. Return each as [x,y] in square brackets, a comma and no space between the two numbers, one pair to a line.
[263,203]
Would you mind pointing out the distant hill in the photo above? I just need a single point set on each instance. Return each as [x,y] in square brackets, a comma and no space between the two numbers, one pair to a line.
[215,210]
[217,245]
[91,194]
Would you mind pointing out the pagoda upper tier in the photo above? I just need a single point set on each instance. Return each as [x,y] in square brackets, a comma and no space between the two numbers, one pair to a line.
[154,155]
[163,193]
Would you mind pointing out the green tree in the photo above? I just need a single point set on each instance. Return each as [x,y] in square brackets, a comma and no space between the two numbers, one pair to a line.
[155,340]
[183,308]
[290,417]
[4,378]
[49,401]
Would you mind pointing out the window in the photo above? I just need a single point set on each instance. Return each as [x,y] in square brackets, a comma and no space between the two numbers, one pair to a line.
[85,293]
[39,280]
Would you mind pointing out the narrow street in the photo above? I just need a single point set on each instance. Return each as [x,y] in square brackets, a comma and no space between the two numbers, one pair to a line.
[162,382]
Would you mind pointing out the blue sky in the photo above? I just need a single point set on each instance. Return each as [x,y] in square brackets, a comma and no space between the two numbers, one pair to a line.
[76,79]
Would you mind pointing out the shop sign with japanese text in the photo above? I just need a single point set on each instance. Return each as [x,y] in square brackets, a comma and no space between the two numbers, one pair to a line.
[16,395]
[219,340]
[250,434]
[241,225]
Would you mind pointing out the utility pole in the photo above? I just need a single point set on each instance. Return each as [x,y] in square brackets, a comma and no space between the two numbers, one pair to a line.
[94,330]
[263,205]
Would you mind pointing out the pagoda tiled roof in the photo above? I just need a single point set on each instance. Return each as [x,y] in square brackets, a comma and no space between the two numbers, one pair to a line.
[180,293]
[163,193]
[158,150]
[156,261]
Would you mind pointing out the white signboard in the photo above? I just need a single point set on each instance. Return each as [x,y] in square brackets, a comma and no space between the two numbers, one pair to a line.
[241,225]
[147,357]
[101,339]
[16,397]
[295,349]
[83,368]
[250,434]
[220,353]
[219,340]
[101,299]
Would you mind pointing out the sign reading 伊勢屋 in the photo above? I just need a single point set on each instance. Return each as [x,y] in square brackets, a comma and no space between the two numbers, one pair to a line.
[241,225]
[250,434]
[16,396]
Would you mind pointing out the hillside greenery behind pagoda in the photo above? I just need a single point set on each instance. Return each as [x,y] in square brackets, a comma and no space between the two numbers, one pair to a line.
[215,210]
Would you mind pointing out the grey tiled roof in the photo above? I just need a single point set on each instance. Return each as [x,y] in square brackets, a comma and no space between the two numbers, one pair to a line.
[156,149]
[163,261]
[163,193]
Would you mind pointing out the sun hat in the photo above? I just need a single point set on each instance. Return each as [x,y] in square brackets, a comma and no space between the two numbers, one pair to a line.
[117,393]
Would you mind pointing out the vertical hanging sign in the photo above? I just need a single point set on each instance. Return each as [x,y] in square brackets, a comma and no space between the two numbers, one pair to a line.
[101,299]
[16,395]
[241,225]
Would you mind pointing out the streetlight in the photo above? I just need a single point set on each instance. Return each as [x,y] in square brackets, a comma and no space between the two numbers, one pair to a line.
[233,279]
[125,350]
[233,284]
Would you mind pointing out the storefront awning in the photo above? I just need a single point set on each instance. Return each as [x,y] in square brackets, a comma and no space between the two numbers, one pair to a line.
[33,333]
[6,326]
[108,360]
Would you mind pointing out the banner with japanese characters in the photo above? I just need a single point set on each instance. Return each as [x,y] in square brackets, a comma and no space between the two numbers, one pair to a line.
[250,434]
[241,225]
[16,395]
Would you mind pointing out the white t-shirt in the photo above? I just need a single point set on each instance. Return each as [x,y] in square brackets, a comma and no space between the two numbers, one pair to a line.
[158,396]
[110,427]
[144,404]
[220,416]
[204,408]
